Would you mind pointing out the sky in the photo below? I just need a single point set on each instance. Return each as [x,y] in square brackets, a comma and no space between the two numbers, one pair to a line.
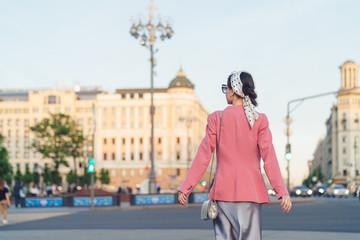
[293,49]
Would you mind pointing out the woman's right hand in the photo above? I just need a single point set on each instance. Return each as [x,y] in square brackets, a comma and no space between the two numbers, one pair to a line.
[286,203]
[182,198]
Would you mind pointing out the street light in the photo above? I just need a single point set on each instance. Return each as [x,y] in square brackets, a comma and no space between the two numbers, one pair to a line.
[148,38]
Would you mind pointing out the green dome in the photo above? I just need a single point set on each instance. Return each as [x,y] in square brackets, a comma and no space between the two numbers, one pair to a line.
[181,81]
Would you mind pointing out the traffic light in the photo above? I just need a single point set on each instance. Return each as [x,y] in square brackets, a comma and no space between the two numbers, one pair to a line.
[203,184]
[91,167]
[288,154]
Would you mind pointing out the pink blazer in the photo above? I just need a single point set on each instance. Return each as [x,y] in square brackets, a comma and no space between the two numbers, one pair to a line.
[239,175]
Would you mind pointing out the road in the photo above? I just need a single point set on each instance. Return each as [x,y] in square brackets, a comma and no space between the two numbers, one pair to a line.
[337,217]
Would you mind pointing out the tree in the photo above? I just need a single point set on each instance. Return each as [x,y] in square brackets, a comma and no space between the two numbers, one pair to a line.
[76,145]
[6,170]
[52,137]
[48,179]
[104,176]
[27,177]
[70,177]
[319,176]
[18,176]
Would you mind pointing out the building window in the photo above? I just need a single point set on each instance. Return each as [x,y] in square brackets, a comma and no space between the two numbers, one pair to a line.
[123,172]
[345,172]
[141,95]
[131,95]
[113,125]
[105,125]
[177,155]
[141,141]
[105,111]
[160,172]
[178,172]
[160,125]
[132,172]
[18,123]
[26,123]
[123,156]
[344,139]
[113,156]
[123,110]
[178,140]
[123,125]
[141,124]
[132,140]
[113,110]
[141,172]
[141,156]
[344,127]
[159,155]
[344,150]
[132,110]
[159,140]
[9,123]
[105,141]
[104,156]
[141,110]
[113,173]
[132,156]
[123,95]
[132,125]
[113,141]
[51,99]
[123,141]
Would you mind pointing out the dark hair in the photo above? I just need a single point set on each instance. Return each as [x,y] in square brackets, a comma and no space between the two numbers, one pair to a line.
[248,86]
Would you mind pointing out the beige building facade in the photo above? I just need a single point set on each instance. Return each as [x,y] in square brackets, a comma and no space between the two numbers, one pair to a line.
[123,134]
[121,125]
[338,153]
[21,109]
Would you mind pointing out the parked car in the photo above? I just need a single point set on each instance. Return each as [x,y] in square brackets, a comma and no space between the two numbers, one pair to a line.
[301,191]
[337,191]
[319,190]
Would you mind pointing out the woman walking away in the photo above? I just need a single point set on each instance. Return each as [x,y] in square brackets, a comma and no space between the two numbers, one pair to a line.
[4,200]
[239,187]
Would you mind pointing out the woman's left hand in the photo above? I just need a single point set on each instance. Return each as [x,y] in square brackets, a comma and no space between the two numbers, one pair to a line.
[182,198]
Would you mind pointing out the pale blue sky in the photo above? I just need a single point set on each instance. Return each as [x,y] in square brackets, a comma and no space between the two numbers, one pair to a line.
[292,49]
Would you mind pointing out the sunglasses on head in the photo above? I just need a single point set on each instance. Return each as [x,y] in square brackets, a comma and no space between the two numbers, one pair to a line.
[223,88]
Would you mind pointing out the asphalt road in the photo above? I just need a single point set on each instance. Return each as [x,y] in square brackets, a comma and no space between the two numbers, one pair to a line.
[326,215]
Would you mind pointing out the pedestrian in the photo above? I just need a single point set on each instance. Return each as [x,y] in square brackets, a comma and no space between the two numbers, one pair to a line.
[17,194]
[34,191]
[4,200]
[245,138]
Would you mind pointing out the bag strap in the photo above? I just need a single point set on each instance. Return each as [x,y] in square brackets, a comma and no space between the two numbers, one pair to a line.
[212,160]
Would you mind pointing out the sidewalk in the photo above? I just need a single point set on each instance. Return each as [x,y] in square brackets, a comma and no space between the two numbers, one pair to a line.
[165,235]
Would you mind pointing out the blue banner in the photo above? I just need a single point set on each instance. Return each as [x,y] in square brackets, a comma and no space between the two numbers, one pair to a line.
[154,199]
[200,197]
[98,201]
[43,202]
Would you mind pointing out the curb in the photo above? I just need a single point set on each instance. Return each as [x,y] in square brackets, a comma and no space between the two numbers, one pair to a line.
[157,207]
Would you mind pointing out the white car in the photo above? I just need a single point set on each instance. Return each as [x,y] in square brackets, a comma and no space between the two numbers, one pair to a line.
[337,191]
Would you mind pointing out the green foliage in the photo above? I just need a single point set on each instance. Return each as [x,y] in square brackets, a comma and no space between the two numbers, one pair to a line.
[70,178]
[315,173]
[6,170]
[27,177]
[48,179]
[18,176]
[57,138]
[104,176]
[86,179]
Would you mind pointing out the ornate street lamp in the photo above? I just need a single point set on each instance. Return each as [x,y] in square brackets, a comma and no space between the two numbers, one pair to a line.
[148,35]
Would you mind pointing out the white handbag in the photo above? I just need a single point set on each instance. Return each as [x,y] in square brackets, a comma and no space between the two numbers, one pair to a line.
[210,209]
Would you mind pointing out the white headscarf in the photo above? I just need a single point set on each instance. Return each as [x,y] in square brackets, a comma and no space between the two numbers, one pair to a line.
[249,108]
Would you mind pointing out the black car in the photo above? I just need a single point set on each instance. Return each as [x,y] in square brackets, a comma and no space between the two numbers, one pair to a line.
[319,190]
[301,191]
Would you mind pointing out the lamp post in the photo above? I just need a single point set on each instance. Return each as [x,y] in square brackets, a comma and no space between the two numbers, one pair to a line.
[148,38]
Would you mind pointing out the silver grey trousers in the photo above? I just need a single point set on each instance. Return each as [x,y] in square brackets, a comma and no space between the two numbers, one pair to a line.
[238,221]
